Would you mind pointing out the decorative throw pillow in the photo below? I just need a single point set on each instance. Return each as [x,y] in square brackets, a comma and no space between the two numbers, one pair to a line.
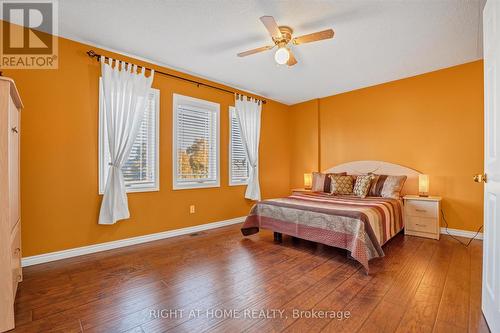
[328,180]
[362,185]
[340,184]
[321,181]
[376,186]
[393,186]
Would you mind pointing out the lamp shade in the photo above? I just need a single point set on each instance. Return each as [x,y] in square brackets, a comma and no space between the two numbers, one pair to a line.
[423,185]
[282,55]
[307,180]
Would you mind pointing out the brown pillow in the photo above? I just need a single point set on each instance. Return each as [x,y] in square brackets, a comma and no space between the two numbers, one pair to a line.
[376,185]
[386,186]
[321,181]
[362,185]
[341,185]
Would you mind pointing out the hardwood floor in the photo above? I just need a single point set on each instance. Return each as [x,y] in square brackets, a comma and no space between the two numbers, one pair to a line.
[184,284]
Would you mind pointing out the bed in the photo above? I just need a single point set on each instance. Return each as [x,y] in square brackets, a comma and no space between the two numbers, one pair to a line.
[359,225]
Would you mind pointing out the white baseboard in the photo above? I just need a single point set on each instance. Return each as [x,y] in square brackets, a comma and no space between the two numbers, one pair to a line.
[78,251]
[461,233]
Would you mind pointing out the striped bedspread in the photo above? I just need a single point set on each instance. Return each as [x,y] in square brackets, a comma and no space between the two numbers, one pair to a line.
[359,225]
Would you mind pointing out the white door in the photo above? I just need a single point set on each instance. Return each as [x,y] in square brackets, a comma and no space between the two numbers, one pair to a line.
[491,244]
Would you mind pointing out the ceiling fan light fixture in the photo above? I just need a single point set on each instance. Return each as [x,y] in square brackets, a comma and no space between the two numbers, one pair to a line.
[282,37]
[282,55]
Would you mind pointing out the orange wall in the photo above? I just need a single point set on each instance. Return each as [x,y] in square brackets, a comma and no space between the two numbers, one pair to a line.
[304,141]
[431,122]
[59,166]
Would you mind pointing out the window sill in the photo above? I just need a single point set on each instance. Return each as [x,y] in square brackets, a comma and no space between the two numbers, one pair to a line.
[194,186]
[238,184]
[138,190]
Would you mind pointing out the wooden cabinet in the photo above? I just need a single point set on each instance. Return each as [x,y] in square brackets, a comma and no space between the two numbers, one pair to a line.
[10,213]
[422,216]
[15,249]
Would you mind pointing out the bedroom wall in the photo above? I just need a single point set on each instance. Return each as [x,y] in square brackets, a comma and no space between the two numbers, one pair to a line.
[431,122]
[59,166]
[304,141]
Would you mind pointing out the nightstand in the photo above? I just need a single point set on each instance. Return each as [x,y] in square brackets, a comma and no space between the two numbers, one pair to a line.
[301,190]
[422,216]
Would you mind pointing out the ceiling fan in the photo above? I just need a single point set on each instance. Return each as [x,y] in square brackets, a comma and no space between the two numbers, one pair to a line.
[282,38]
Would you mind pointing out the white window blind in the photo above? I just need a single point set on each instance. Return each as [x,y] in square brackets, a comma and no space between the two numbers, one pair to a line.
[140,171]
[196,143]
[238,163]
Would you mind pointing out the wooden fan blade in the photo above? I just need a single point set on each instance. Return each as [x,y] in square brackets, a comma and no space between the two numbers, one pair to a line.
[253,51]
[291,61]
[325,34]
[271,26]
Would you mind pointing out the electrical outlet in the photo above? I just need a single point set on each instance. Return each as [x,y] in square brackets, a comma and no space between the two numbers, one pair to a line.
[192,209]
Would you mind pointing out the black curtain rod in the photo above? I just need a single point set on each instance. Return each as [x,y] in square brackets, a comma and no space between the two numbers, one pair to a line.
[92,54]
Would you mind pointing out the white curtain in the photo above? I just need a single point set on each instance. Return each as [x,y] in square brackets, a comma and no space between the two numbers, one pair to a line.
[248,114]
[125,92]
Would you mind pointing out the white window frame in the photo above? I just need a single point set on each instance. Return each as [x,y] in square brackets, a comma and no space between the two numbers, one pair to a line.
[232,182]
[103,172]
[194,103]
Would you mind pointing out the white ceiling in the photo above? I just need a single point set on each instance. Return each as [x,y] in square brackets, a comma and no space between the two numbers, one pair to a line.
[375,41]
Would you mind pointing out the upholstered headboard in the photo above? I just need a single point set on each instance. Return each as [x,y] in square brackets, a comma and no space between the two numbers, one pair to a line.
[381,168]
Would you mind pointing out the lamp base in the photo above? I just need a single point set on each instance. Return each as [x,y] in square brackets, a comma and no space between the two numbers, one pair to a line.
[425,195]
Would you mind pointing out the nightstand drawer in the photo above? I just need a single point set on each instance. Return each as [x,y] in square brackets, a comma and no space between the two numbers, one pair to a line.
[422,224]
[421,208]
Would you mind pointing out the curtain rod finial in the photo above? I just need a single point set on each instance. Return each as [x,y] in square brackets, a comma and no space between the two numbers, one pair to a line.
[92,54]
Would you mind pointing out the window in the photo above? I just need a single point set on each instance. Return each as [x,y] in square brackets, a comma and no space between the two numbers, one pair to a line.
[238,164]
[196,143]
[140,171]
